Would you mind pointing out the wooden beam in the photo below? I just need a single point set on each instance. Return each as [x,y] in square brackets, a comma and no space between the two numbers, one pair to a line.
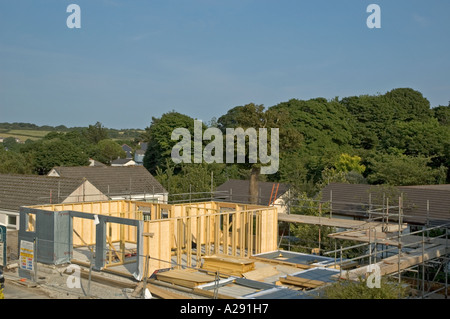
[199,242]
[301,282]
[82,240]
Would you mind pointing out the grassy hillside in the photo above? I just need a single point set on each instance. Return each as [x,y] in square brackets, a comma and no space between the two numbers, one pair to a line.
[25,131]
[23,134]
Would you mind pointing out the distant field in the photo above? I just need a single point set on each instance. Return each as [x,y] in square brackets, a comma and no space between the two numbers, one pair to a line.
[25,131]
[23,135]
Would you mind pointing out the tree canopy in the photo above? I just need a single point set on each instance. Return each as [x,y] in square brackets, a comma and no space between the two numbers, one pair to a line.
[394,138]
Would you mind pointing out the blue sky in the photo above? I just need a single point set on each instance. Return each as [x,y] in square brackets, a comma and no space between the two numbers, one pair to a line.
[132,60]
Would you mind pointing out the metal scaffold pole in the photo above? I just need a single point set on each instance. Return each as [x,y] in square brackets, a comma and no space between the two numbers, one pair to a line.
[399,238]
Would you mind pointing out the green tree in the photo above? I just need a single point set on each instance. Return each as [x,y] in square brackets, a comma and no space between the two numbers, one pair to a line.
[252,116]
[346,289]
[56,152]
[95,133]
[328,130]
[11,144]
[193,178]
[399,169]
[14,162]
[107,150]
[348,163]
[377,115]
[427,138]
[442,114]
[158,135]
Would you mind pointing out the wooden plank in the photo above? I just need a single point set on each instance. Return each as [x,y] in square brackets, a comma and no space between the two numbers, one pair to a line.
[210,294]
[391,265]
[228,265]
[335,222]
[165,294]
[189,278]
[301,282]
[157,291]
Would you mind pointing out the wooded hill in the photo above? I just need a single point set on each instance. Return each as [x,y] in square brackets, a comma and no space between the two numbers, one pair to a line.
[394,138]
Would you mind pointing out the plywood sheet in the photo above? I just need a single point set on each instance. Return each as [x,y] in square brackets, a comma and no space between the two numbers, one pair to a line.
[189,278]
[234,266]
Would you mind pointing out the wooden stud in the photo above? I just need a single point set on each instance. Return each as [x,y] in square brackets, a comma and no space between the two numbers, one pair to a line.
[242,234]
[216,234]
[225,232]
[199,241]
[179,243]
[208,235]
[189,241]
[233,234]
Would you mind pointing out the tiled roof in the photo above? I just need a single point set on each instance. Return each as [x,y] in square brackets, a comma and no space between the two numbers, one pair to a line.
[240,191]
[353,199]
[116,180]
[26,190]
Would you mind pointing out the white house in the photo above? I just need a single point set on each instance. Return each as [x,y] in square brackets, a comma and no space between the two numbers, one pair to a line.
[118,182]
[26,190]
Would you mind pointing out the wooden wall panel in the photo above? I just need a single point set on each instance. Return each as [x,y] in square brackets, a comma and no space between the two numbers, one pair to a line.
[195,229]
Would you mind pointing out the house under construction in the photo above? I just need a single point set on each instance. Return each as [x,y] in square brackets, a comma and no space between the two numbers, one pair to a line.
[227,250]
[116,233]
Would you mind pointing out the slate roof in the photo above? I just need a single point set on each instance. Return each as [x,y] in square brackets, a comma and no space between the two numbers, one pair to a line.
[27,190]
[115,180]
[240,191]
[144,146]
[353,200]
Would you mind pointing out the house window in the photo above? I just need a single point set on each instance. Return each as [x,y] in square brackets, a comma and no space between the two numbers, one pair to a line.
[12,220]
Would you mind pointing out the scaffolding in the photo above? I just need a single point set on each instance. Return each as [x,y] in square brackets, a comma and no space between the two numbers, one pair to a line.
[385,242]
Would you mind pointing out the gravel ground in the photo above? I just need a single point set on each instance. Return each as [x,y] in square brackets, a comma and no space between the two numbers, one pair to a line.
[54,282]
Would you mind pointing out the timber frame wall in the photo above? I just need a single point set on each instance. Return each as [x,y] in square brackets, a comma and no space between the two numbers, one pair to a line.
[180,232]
